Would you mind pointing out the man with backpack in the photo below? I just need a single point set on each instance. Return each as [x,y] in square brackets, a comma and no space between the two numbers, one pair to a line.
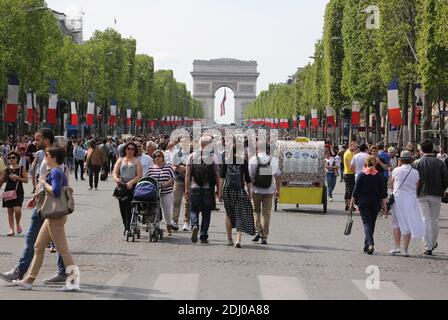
[265,175]
[202,169]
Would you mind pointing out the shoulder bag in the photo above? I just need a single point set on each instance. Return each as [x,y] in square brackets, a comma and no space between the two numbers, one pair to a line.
[391,198]
[12,195]
[52,208]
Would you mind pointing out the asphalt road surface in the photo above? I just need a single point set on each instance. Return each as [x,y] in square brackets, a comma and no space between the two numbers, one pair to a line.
[308,257]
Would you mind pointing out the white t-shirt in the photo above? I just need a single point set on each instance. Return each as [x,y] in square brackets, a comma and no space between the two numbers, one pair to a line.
[169,155]
[147,162]
[358,161]
[264,159]
[332,162]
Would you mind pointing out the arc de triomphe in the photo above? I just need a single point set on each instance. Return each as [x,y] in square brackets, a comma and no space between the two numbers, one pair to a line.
[211,75]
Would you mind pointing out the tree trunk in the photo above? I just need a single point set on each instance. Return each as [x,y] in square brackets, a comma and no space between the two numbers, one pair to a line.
[404,128]
[412,120]
[386,131]
[367,122]
[378,119]
[427,117]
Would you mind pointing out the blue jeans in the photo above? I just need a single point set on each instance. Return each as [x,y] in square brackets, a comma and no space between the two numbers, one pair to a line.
[331,183]
[201,202]
[30,240]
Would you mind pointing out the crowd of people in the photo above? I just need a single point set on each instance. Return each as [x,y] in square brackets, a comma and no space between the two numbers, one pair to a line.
[410,184]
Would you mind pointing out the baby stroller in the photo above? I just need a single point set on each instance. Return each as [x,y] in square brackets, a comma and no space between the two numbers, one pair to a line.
[146,211]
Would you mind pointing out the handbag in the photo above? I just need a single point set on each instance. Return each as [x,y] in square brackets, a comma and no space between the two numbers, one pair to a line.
[51,207]
[12,194]
[391,199]
[445,198]
[121,192]
[349,224]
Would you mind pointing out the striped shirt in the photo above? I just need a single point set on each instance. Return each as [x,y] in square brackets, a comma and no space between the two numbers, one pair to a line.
[162,175]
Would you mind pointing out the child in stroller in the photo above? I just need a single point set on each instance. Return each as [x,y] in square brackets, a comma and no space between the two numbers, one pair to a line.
[146,210]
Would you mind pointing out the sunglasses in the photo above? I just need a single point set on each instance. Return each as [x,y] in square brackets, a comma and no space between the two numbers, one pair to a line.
[158,156]
[130,149]
[12,158]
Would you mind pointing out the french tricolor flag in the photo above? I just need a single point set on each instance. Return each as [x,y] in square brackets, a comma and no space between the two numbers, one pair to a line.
[356,113]
[74,114]
[314,118]
[52,107]
[302,122]
[12,100]
[113,113]
[294,122]
[30,107]
[90,113]
[129,117]
[330,117]
[139,119]
[394,104]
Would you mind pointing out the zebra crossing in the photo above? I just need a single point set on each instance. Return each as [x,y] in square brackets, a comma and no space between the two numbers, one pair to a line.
[190,286]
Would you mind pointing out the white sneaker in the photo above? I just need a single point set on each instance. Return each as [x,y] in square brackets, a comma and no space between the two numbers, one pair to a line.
[330,200]
[395,251]
[22,284]
[186,227]
[406,254]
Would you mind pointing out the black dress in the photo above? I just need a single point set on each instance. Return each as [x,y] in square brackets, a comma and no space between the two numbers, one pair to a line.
[11,185]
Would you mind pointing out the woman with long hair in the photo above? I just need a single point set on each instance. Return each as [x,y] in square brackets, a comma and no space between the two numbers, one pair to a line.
[234,177]
[15,177]
[127,172]
[370,196]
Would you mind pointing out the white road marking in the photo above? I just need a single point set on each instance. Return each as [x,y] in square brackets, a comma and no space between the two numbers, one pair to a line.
[388,291]
[116,282]
[281,288]
[176,286]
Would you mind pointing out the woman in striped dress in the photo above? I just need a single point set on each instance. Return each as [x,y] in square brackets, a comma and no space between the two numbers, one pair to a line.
[234,177]
[163,172]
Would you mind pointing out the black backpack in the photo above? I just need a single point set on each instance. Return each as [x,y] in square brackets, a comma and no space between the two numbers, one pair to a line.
[203,173]
[262,179]
[234,176]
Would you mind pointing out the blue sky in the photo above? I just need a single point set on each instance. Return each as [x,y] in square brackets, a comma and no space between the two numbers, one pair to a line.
[279,35]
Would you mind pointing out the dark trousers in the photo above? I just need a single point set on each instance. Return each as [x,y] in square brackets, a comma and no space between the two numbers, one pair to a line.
[212,192]
[369,214]
[106,167]
[349,185]
[126,210]
[112,160]
[79,164]
[94,172]
[201,202]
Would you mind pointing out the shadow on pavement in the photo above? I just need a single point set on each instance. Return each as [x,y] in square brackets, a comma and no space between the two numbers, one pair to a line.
[103,254]
[107,292]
